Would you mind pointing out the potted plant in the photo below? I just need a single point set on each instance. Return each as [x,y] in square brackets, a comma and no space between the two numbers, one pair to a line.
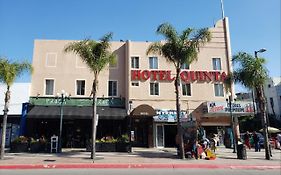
[108,144]
[34,145]
[20,144]
[123,144]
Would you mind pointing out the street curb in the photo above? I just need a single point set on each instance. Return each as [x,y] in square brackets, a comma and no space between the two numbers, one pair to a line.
[135,166]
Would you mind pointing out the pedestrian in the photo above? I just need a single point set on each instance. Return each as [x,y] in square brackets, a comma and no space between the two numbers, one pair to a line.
[247,139]
[256,142]
[279,139]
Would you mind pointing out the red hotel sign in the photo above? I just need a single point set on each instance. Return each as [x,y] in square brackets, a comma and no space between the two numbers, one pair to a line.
[187,76]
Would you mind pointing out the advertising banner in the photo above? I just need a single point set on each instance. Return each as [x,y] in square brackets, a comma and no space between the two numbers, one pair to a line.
[242,108]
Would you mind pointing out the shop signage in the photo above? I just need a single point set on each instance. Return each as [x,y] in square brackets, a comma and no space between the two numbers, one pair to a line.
[53,101]
[236,107]
[167,115]
[186,76]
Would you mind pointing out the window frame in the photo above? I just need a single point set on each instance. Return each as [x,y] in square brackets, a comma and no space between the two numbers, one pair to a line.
[182,86]
[222,90]
[132,58]
[45,86]
[76,88]
[154,82]
[153,58]
[108,88]
[215,66]
[138,82]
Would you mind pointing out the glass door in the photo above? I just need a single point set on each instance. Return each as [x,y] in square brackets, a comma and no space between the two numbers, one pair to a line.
[160,136]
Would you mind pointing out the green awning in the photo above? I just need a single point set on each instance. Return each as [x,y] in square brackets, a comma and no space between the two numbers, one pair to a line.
[76,112]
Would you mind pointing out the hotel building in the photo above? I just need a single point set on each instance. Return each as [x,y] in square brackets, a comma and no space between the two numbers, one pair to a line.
[136,94]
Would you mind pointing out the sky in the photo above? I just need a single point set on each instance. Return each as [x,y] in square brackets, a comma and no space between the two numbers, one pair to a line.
[254,24]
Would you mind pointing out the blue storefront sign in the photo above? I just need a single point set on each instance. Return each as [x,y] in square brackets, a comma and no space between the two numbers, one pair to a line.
[167,115]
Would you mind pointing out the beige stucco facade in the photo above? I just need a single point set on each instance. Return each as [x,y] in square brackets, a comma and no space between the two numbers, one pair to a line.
[51,62]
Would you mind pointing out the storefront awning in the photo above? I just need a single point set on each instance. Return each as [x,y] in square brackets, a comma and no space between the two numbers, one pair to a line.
[71,112]
[143,110]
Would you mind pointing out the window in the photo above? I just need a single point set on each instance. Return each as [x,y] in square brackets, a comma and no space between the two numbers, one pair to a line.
[49,87]
[185,66]
[51,59]
[154,88]
[80,87]
[135,62]
[114,62]
[135,83]
[186,90]
[153,63]
[219,90]
[216,63]
[269,85]
[112,88]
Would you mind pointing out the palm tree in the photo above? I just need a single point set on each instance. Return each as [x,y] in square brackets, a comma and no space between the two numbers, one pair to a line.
[251,73]
[9,71]
[179,49]
[97,56]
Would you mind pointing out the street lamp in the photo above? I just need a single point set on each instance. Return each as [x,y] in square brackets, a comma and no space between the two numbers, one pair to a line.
[259,51]
[63,96]
[264,118]
[253,91]
[131,135]
[229,103]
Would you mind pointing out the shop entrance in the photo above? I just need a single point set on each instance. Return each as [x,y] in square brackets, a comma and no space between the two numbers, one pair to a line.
[170,135]
[165,135]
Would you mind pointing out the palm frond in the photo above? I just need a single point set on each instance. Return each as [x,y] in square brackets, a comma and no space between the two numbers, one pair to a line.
[250,71]
[155,48]
[168,31]
[9,71]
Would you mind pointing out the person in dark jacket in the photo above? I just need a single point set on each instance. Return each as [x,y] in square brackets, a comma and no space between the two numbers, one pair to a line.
[256,142]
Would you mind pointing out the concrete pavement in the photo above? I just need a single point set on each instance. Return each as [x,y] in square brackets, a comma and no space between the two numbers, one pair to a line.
[139,158]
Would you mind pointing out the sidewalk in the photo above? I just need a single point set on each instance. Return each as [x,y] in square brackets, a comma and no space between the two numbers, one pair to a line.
[139,158]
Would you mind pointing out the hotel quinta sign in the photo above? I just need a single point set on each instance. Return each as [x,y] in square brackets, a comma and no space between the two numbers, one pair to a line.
[186,76]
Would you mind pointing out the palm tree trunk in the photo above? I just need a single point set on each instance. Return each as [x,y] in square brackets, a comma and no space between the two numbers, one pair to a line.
[261,103]
[179,127]
[6,109]
[94,119]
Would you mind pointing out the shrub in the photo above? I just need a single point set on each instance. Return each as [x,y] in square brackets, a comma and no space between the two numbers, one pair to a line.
[20,139]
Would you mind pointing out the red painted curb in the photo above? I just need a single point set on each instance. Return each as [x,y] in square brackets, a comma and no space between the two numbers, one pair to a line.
[156,166]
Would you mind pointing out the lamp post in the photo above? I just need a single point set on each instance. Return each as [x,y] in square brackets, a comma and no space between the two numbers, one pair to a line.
[233,123]
[130,124]
[62,97]
[262,113]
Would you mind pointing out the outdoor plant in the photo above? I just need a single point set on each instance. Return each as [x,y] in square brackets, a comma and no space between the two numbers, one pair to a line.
[108,139]
[20,139]
[124,138]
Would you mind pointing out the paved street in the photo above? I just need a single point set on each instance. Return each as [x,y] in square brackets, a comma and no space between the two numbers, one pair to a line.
[142,160]
[139,172]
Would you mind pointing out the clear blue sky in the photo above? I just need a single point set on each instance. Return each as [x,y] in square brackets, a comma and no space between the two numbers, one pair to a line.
[254,24]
